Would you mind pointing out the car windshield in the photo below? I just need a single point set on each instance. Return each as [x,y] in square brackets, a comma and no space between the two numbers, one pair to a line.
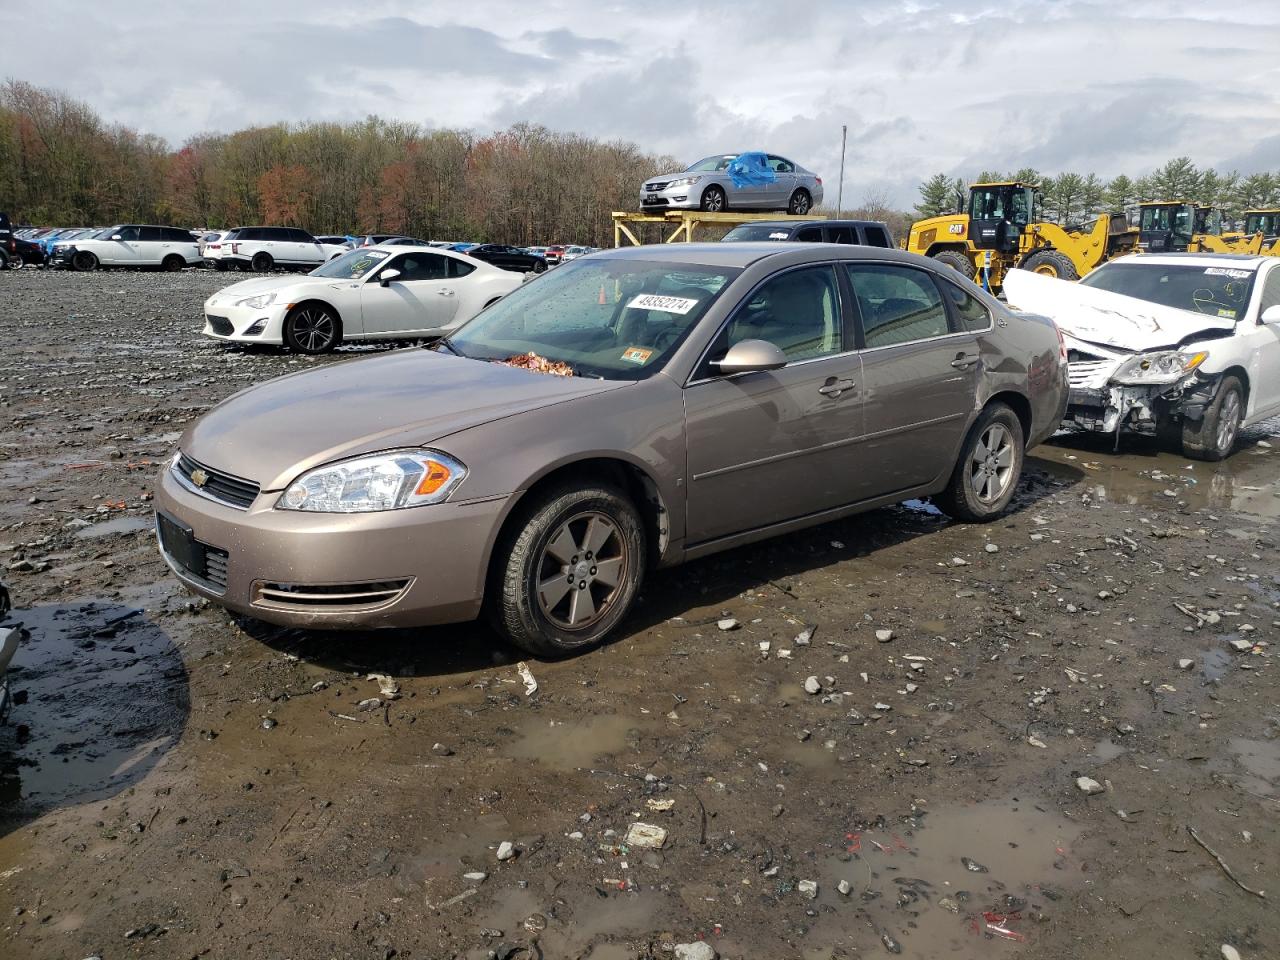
[712,164]
[352,265]
[1219,291]
[758,231]
[613,319]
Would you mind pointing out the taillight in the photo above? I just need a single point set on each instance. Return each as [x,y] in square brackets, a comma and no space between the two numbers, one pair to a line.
[819,179]
[213,246]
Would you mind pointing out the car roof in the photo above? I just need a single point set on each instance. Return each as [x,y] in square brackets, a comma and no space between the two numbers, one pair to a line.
[1247,260]
[749,252]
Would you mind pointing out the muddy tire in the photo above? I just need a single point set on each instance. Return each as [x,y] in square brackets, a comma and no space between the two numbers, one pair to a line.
[956,261]
[569,570]
[1213,436]
[261,262]
[986,474]
[1050,263]
[312,328]
[800,203]
[714,199]
[84,261]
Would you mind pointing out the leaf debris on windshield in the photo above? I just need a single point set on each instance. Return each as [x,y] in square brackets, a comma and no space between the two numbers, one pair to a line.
[531,361]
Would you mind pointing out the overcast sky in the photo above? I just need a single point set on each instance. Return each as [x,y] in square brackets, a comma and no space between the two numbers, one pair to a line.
[926,85]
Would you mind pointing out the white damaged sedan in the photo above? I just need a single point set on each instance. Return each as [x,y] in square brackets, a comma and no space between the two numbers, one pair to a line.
[1178,345]
[371,293]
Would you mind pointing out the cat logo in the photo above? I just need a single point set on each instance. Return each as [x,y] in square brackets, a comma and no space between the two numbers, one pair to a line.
[199,477]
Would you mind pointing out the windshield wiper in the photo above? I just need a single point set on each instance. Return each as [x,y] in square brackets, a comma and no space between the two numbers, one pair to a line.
[444,342]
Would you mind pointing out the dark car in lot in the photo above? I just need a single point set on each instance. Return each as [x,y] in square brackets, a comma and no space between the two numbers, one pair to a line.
[631,409]
[508,258]
[862,233]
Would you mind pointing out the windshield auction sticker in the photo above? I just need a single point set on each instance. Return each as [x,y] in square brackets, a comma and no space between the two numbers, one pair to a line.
[638,355]
[1223,272]
[651,301]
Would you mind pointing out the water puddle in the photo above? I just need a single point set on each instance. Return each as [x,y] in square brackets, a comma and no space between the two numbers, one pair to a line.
[570,746]
[1215,662]
[946,883]
[1261,761]
[612,929]
[105,696]
[1106,750]
[119,525]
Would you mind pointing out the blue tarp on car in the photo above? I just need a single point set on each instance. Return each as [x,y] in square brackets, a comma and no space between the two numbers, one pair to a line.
[750,169]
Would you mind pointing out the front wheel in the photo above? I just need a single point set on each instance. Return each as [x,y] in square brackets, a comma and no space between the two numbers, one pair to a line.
[84,261]
[986,475]
[800,203]
[570,572]
[1213,436]
[312,328]
[957,261]
[714,200]
[539,266]
[1051,263]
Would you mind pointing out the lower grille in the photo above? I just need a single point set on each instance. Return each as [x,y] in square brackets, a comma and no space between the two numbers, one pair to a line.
[333,597]
[200,561]
[220,325]
[223,487]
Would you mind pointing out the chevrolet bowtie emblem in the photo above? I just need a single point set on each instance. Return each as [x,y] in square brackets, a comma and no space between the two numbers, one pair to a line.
[199,477]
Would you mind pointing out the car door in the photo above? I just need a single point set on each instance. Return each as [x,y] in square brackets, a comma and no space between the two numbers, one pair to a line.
[423,297]
[122,252]
[771,446]
[1264,385]
[920,367]
[150,246]
[779,192]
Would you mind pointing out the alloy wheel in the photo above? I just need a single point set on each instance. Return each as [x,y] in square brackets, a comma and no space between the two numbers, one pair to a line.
[991,466]
[581,570]
[313,329]
[1228,421]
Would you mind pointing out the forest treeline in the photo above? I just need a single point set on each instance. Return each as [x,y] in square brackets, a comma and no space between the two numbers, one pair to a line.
[61,164]
[1072,197]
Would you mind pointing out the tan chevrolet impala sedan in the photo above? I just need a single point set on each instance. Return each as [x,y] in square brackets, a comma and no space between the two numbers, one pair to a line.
[632,409]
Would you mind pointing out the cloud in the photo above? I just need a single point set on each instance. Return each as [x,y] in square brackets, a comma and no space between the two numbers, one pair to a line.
[565,43]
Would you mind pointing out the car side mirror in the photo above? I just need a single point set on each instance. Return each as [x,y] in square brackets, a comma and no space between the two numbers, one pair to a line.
[386,276]
[749,356]
[116,236]
[1271,314]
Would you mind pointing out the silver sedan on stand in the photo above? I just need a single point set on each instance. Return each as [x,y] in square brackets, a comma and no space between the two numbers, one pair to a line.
[710,185]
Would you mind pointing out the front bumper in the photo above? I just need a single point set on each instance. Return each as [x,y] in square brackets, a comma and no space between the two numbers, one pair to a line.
[1111,408]
[295,569]
[232,323]
[687,197]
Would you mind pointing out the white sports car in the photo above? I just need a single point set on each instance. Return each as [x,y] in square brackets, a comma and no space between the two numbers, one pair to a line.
[370,293]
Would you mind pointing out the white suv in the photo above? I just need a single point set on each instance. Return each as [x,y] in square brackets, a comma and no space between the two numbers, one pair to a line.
[260,249]
[129,245]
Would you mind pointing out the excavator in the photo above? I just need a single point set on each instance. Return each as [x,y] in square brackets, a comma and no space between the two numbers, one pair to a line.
[998,232]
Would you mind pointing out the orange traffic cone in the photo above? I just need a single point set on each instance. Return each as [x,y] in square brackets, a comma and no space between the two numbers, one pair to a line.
[602,301]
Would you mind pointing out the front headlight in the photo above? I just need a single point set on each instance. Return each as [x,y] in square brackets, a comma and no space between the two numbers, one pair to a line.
[381,481]
[258,302]
[683,182]
[1154,369]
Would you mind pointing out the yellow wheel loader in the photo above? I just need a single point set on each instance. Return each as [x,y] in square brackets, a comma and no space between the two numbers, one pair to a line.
[999,232]
[1175,226]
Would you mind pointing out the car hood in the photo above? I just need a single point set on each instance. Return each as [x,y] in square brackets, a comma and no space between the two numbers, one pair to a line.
[272,432]
[1109,319]
[247,288]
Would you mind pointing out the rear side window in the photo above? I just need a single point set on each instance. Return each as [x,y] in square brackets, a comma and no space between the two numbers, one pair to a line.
[150,234]
[301,236]
[897,304]
[841,235]
[973,315]
[276,233]
[459,269]
[809,235]
[877,237]
[174,235]
[231,235]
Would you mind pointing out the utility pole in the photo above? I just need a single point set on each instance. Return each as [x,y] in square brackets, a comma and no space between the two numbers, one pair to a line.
[844,136]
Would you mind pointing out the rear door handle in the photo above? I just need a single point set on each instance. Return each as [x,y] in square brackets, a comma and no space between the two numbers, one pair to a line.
[962,361]
[833,387]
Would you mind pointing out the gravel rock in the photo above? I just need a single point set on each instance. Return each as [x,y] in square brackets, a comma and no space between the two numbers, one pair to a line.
[884,636]
[808,888]
[1089,785]
[506,850]
[728,623]
[700,950]
[812,685]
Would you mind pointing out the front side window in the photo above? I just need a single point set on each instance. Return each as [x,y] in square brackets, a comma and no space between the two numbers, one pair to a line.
[797,311]
[1270,291]
[420,266]
[128,234]
[897,304]
[809,235]
[613,319]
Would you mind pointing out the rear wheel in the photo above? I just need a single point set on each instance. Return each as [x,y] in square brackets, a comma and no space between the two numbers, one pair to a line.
[986,475]
[312,328]
[220,266]
[261,262]
[173,263]
[800,203]
[571,571]
[714,200]
[956,261]
[1051,263]
[84,261]
[539,266]
[1213,436]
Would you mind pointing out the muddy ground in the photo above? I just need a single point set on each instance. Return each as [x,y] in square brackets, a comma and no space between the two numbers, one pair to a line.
[180,784]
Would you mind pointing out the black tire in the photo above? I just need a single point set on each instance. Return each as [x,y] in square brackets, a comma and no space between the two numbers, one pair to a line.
[1214,435]
[800,203]
[172,263]
[527,557]
[220,266]
[84,261]
[1051,263]
[261,262]
[539,266]
[957,261]
[4,260]
[312,328]
[963,499]
[714,199]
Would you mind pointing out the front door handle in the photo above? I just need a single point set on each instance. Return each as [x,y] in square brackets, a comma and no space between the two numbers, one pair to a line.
[964,361]
[445,292]
[833,387]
